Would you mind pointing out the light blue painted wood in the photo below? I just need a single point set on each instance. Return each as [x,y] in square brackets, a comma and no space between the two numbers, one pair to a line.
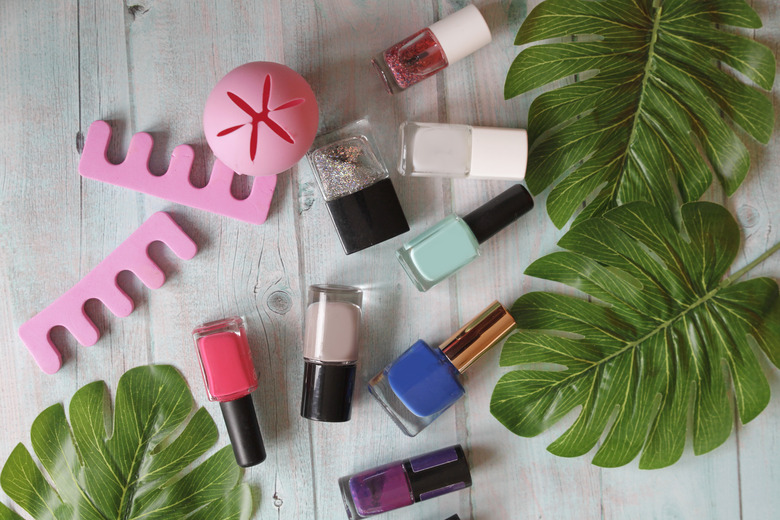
[149,68]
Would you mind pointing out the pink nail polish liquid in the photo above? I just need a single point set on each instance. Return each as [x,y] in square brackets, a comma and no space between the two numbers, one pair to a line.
[432,49]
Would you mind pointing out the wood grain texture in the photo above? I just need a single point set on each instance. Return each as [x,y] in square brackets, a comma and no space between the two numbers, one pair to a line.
[148,65]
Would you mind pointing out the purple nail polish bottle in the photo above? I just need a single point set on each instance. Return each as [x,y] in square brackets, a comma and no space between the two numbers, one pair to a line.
[404,482]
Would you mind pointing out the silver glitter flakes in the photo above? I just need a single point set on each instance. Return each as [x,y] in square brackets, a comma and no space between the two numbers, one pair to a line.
[346,166]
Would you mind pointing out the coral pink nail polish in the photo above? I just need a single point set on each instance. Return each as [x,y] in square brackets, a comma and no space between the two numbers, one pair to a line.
[230,378]
[428,51]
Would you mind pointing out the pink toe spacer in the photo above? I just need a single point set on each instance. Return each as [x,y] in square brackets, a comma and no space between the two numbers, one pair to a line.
[173,185]
[100,283]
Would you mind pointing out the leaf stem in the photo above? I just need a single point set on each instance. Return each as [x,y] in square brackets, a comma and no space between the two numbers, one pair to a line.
[658,6]
[647,72]
[739,274]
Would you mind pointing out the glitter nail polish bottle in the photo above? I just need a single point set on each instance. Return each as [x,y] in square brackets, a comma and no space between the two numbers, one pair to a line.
[405,482]
[462,151]
[428,51]
[357,189]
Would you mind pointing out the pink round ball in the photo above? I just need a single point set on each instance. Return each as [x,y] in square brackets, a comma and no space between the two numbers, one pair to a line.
[261,118]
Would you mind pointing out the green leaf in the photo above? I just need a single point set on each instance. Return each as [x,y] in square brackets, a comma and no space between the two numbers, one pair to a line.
[7,514]
[234,507]
[131,467]
[655,121]
[663,329]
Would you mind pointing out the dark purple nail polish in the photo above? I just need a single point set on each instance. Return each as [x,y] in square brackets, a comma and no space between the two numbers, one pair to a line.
[405,482]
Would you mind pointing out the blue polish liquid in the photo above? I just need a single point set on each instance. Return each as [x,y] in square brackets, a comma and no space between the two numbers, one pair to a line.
[425,380]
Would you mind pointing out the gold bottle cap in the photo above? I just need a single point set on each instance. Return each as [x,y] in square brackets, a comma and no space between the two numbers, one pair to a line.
[478,335]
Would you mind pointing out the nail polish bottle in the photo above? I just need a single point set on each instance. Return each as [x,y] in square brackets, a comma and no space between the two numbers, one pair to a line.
[450,245]
[230,377]
[476,152]
[428,51]
[356,186]
[424,381]
[330,351]
[405,482]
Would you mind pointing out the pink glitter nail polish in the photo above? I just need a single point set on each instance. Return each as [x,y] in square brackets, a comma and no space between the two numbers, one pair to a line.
[428,51]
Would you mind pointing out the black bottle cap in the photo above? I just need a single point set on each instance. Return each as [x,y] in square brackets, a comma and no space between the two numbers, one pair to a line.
[243,430]
[453,517]
[498,213]
[368,217]
[438,473]
[327,391]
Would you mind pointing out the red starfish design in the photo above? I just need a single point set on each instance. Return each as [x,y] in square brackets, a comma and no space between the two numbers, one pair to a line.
[264,116]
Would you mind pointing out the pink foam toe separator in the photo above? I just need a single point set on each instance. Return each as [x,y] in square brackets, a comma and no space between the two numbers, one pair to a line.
[173,185]
[101,283]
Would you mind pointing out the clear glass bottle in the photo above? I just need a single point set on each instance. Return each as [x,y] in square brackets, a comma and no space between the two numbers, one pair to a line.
[438,252]
[330,351]
[477,152]
[405,482]
[423,382]
[430,50]
[359,195]
[409,61]
[453,243]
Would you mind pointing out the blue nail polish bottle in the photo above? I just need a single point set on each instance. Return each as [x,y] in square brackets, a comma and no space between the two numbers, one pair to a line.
[424,381]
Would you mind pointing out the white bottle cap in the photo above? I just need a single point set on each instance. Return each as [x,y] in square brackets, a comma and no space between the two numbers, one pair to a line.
[461,33]
[498,153]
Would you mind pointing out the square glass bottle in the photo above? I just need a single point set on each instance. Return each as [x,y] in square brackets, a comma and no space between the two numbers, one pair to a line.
[462,151]
[424,381]
[356,186]
[453,243]
[230,378]
[405,482]
[431,49]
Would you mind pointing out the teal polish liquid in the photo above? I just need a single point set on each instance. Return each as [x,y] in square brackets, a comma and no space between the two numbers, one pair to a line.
[442,250]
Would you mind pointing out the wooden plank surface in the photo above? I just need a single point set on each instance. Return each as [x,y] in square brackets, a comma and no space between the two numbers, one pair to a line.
[149,67]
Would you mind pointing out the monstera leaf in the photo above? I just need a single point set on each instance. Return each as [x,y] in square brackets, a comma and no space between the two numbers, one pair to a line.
[130,468]
[654,342]
[655,121]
